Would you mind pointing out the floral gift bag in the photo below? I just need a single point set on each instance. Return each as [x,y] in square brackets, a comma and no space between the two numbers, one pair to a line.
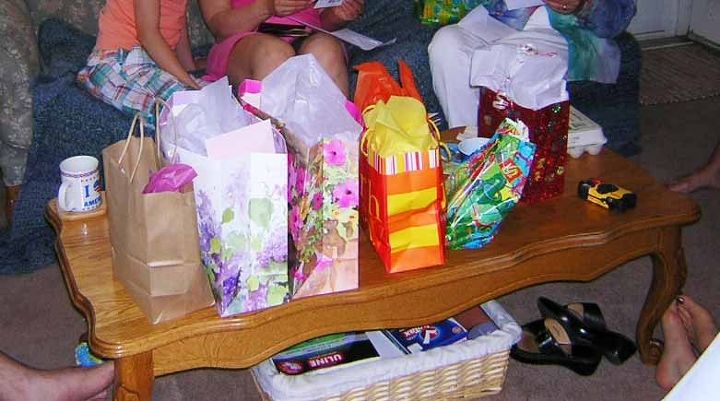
[324,198]
[323,187]
[240,192]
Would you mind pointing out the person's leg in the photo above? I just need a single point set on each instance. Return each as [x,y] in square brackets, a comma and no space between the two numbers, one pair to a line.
[450,52]
[256,56]
[19,382]
[678,355]
[330,53]
[130,81]
[707,176]
[699,322]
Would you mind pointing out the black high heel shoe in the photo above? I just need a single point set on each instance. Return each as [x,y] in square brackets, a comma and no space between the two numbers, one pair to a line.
[616,347]
[589,313]
[539,346]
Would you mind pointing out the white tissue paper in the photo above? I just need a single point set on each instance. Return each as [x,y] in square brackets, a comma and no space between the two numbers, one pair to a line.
[203,114]
[305,98]
[531,75]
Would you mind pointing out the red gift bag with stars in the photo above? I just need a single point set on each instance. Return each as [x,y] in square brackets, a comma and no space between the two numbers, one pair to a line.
[548,128]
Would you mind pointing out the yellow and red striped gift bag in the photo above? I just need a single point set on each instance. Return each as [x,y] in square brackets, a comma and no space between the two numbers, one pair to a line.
[402,194]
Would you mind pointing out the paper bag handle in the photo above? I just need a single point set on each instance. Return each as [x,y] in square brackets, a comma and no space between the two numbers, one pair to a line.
[138,117]
[160,102]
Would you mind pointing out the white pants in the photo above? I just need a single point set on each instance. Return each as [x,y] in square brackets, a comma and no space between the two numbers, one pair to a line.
[451,55]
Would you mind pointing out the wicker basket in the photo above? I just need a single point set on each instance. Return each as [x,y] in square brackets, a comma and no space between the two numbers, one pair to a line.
[463,381]
[474,377]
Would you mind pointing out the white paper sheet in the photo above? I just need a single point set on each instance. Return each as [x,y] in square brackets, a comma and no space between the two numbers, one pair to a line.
[255,138]
[479,20]
[327,3]
[515,4]
[349,36]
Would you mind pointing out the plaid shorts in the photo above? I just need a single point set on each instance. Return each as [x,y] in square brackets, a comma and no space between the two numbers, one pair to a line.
[128,80]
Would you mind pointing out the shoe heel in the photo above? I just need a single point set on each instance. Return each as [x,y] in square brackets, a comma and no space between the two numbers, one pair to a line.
[583,369]
[614,346]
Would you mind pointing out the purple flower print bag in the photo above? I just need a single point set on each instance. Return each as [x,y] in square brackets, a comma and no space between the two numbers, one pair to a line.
[241,196]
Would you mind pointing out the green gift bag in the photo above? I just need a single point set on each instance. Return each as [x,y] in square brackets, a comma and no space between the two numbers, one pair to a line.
[443,12]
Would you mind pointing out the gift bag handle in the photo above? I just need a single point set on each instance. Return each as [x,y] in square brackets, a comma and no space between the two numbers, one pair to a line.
[138,117]
[160,102]
[434,131]
[363,138]
[278,125]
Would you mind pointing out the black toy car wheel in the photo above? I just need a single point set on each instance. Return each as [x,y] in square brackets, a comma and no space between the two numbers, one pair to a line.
[613,204]
[629,200]
[584,189]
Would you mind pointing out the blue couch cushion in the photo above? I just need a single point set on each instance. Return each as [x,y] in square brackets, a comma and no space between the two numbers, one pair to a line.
[67,122]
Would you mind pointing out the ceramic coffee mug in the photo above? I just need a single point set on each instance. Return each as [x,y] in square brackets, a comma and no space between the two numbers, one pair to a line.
[80,188]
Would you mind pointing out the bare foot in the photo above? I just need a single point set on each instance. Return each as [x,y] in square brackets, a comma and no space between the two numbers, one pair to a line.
[71,384]
[707,176]
[703,178]
[687,320]
[678,355]
[703,325]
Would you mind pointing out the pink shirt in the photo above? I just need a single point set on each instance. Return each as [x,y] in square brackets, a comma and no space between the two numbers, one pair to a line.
[220,52]
[117,28]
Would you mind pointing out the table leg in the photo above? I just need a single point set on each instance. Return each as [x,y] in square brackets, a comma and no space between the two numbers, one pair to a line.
[669,274]
[134,378]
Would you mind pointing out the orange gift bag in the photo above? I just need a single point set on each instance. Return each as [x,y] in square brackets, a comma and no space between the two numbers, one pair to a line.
[401,184]
[374,83]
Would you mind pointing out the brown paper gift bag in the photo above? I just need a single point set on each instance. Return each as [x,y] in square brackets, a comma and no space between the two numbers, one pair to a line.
[155,248]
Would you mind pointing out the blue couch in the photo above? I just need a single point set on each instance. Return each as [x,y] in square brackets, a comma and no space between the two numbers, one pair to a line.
[67,121]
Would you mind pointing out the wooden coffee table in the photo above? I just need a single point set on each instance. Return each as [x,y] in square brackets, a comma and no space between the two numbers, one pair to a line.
[563,239]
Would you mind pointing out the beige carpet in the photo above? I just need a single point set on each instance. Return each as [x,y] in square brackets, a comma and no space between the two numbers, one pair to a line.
[679,74]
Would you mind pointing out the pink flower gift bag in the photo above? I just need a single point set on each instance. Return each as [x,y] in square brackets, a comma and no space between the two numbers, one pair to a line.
[323,182]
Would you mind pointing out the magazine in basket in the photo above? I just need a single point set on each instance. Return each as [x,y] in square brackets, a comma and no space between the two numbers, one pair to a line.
[389,373]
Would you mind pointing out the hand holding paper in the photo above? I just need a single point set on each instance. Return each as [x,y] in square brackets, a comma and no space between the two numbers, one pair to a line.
[338,17]
[344,10]
[283,8]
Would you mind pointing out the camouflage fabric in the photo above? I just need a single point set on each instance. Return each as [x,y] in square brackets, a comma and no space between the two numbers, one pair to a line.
[19,63]
[199,33]
[83,14]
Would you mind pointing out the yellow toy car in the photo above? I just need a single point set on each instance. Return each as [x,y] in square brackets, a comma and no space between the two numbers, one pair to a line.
[609,196]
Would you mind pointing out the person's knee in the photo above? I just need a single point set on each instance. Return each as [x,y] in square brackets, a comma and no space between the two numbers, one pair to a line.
[328,51]
[444,43]
[271,54]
